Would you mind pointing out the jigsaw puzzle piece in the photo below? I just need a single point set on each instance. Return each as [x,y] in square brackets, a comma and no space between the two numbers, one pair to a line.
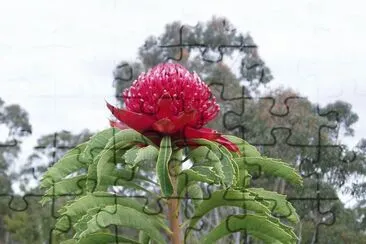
[223,42]
[286,122]
[124,74]
[212,52]
[25,213]
[282,110]
[85,157]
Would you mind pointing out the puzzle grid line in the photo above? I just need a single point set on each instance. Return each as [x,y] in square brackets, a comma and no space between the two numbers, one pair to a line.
[181,45]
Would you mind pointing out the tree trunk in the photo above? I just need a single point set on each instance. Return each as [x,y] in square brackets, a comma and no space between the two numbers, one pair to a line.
[283,186]
[300,232]
[276,184]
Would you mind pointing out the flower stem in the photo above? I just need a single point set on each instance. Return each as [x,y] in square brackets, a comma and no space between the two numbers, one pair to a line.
[173,215]
[173,201]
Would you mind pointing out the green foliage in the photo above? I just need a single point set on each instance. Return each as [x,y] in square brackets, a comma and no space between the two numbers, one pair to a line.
[18,226]
[228,198]
[31,225]
[196,173]
[103,159]
[14,126]
[101,237]
[113,158]
[214,154]
[270,166]
[162,167]
[123,216]
[69,163]
[259,226]
[277,203]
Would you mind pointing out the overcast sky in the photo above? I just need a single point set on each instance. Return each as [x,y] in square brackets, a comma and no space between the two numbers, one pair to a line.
[57,57]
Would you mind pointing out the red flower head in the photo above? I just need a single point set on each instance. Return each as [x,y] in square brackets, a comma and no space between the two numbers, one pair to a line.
[170,100]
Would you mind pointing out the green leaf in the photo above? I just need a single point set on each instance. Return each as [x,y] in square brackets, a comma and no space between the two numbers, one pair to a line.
[228,198]
[143,238]
[106,165]
[207,172]
[91,179]
[108,174]
[105,237]
[233,164]
[270,166]
[71,162]
[256,225]
[74,185]
[126,217]
[62,224]
[245,148]
[162,166]
[82,224]
[197,173]
[94,151]
[228,170]
[277,203]
[243,178]
[148,153]
[195,193]
[126,177]
[130,155]
[98,142]
[128,137]
[107,159]
[203,156]
[289,230]
[100,238]
[97,200]
[70,241]
[80,206]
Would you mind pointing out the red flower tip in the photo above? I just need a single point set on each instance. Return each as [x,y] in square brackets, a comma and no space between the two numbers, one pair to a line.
[228,144]
[118,124]
[139,122]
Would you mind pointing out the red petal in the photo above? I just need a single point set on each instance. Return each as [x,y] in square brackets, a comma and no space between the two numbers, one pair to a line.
[228,144]
[183,119]
[164,107]
[182,144]
[118,124]
[139,122]
[205,133]
[164,126]
[209,134]
[154,136]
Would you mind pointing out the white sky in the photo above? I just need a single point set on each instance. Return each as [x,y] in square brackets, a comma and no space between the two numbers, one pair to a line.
[57,57]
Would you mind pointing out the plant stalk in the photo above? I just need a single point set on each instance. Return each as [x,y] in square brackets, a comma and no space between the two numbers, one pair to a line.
[173,215]
[173,201]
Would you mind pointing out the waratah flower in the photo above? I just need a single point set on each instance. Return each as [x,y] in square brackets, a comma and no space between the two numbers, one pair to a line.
[170,100]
